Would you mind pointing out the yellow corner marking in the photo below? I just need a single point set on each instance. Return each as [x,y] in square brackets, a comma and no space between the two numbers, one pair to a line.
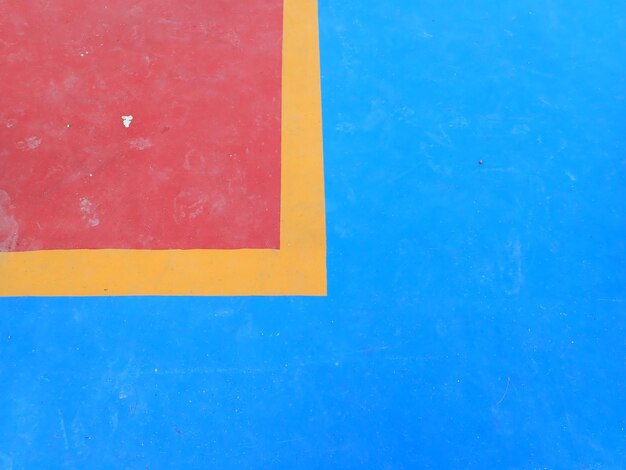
[297,268]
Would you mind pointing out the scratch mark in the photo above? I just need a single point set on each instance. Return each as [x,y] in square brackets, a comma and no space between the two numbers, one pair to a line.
[442,139]
[67,445]
[506,390]
[516,273]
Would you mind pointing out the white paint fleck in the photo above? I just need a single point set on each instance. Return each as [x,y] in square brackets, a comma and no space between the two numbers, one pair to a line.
[88,211]
[570,176]
[30,143]
[140,143]
[126,120]
[11,123]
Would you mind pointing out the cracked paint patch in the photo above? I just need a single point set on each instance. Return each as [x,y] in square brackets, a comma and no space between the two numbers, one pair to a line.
[140,143]
[30,143]
[88,211]
[9,228]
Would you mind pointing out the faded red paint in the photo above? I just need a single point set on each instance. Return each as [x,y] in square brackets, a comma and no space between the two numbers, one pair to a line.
[199,165]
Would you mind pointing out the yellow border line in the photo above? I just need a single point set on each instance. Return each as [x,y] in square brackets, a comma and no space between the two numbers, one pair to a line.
[298,268]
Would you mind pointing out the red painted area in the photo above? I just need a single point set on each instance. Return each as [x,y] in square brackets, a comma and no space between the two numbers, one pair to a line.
[199,165]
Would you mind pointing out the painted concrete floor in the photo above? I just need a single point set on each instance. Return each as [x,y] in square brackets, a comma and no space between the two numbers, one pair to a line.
[474,165]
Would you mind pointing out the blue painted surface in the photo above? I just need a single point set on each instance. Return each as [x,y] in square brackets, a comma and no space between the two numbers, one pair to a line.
[476,315]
